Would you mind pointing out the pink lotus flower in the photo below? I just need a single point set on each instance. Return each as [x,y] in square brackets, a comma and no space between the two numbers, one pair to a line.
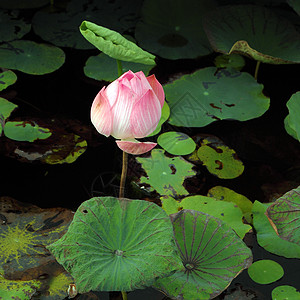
[128,108]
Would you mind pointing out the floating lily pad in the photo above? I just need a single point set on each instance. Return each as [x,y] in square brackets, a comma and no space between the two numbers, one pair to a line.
[284,292]
[7,78]
[165,31]
[165,113]
[211,253]
[103,67]
[226,211]
[265,271]
[164,174]
[225,194]
[209,94]
[176,143]
[30,57]
[254,31]
[24,233]
[219,159]
[284,215]
[114,44]
[117,244]
[232,60]
[6,108]
[292,121]
[12,27]
[25,131]
[267,237]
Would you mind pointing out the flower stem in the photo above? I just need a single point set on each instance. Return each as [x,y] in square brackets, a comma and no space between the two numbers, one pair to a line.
[256,69]
[120,69]
[124,295]
[123,175]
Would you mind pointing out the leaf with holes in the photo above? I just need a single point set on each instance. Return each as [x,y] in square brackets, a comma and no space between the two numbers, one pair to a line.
[211,252]
[25,231]
[220,160]
[176,143]
[166,175]
[254,31]
[267,237]
[117,244]
[284,216]
[228,212]
[210,94]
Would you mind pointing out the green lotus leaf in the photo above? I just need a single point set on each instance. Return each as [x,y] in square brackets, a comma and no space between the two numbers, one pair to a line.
[7,78]
[21,4]
[267,237]
[265,271]
[30,57]
[254,31]
[225,194]
[284,292]
[292,121]
[232,60]
[176,143]
[164,174]
[165,114]
[103,67]
[12,27]
[209,94]
[212,254]
[226,211]
[114,44]
[25,131]
[25,232]
[284,215]
[165,31]
[6,108]
[220,160]
[117,244]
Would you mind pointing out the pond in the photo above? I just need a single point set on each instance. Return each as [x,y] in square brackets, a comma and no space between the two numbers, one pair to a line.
[230,139]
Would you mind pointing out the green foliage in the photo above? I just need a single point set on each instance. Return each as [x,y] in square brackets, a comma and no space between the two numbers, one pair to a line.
[265,271]
[25,131]
[103,67]
[211,253]
[164,29]
[267,237]
[232,60]
[176,143]
[253,31]
[284,292]
[30,57]
[225,211]
[209,94]
[295,5]
[292,121]
[164,174]
[284,215]
[114,44]
[7,78]
[117,244]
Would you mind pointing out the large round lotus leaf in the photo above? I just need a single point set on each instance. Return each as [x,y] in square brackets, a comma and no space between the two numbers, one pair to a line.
[284,215]
[165,114]
[285,292]
[173,29]
[267,237]
[21,4]
[103,67]
[211,253]
[25,131]
[254,31]
[165,174]
[7,78]
[226,211]
[11,26]
[265,271]
[30,57]
[225,194]
[176,143]
[117,245]
[209,94]
[292,122]
[220,160]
